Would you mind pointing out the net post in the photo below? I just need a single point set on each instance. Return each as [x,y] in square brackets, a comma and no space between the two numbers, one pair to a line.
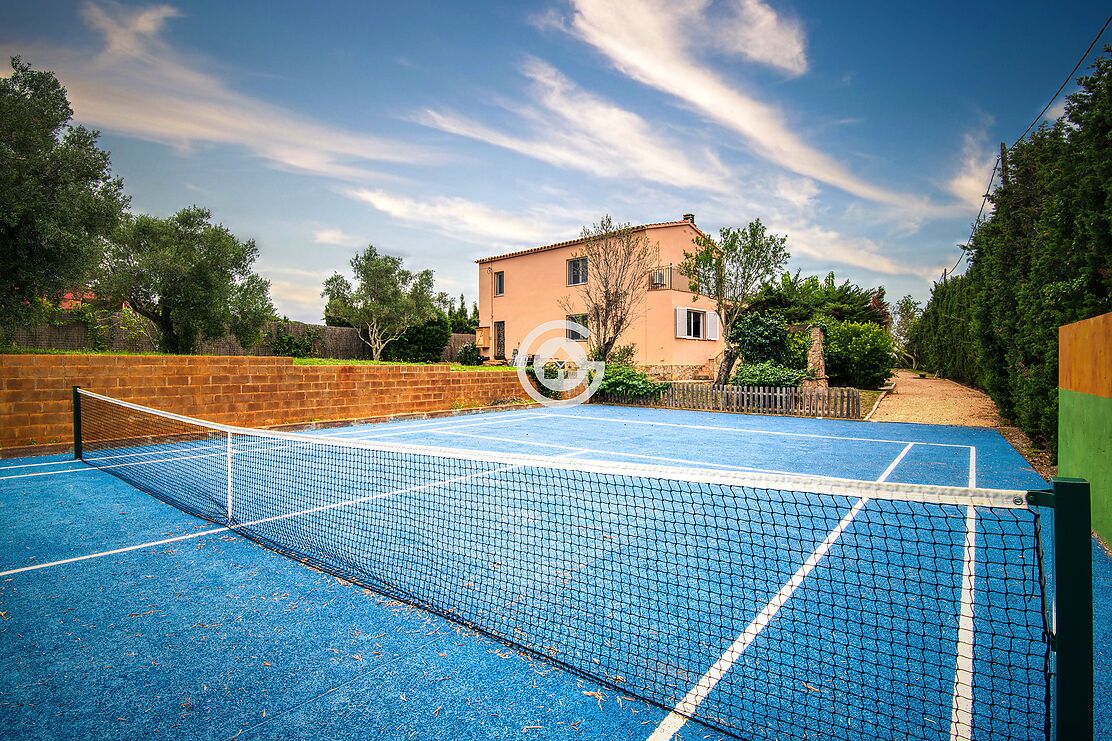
[229,459]
[77,452]
[1073,574]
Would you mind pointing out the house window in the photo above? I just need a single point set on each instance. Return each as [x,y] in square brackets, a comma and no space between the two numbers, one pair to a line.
[696,321]
[575,334]
[577,271]
[499,283]
[694,324]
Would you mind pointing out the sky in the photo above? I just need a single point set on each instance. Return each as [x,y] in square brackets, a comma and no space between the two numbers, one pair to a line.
[445,132]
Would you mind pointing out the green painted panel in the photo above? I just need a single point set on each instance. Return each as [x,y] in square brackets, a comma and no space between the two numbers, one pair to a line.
[1085,450]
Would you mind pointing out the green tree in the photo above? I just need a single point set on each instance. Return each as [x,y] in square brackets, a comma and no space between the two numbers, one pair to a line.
[801,299]
[730,271]
[422,343]
[58,199]
[386,300]
[908,311]
[189,276]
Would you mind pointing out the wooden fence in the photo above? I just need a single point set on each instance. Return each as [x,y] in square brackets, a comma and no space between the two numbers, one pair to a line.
[829,402]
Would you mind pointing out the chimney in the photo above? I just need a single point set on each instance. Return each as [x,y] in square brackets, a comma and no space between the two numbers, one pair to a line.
[689,217]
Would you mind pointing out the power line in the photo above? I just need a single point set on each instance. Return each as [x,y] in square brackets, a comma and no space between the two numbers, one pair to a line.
[1065,82]
[996,164]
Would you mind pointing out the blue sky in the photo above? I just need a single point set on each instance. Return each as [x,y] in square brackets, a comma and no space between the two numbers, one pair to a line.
[445,132]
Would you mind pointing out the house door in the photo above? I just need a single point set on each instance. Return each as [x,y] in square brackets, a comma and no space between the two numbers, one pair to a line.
[500,340]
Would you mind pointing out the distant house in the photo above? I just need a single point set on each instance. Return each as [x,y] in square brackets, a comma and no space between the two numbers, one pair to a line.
[676,335]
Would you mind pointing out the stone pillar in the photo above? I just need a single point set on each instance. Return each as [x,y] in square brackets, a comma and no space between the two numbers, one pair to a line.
[815,361]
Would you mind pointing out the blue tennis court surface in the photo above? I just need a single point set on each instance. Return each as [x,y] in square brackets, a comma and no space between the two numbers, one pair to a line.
[125,617]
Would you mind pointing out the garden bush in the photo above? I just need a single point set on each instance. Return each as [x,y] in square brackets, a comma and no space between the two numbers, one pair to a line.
[760,337]
[469,355]
[627,381]
[767,373]
[424,343]
[858,354]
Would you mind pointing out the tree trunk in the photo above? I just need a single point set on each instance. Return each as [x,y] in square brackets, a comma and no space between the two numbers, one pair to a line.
[726,368]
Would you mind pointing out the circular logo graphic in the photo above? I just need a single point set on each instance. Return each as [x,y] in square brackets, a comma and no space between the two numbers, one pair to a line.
[559,364]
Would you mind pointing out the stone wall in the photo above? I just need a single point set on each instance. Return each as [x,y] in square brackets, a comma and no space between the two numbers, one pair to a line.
[36,390]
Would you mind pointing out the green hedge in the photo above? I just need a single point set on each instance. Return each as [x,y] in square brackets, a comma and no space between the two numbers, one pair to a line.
[858,354]
[767,373]
[424,343]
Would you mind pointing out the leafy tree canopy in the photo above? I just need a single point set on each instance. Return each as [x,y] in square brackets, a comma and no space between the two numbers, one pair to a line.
[58,199]
[385,301]
[191,277]
[730,271]
[800,299]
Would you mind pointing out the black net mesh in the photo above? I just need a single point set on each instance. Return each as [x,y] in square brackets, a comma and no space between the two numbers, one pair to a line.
[761,613]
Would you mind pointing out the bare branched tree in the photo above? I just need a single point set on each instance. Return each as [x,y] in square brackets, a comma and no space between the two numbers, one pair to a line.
[619,259]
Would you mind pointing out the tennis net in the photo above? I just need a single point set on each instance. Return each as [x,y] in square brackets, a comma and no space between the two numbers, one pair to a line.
[759,606]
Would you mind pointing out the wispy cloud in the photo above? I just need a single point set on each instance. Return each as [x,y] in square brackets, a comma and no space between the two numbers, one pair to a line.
[652,42]
[140,85]
[463,219]
[335,237]
[755,31]
[571,128]
[970,181]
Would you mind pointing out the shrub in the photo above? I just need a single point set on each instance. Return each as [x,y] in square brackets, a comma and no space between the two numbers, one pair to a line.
[858,354]
[622,355]
[798,345]
[469,355]
[761,337]
[424,343]
[549,370]
[624,380]
[767,373]
[284,343]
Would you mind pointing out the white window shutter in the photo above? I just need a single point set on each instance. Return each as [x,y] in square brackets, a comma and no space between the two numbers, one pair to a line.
[681,322]
[712,325]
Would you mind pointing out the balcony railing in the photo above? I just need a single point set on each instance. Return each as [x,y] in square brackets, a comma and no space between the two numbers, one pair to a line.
[660,279]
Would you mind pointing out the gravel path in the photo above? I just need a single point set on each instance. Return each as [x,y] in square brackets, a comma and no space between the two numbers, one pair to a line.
[936,401]
[940,402]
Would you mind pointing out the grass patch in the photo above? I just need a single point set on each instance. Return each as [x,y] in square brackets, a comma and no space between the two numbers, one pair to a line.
[453,366]
[868,398]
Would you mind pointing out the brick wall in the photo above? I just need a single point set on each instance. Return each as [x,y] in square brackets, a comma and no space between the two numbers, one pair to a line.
[36,390]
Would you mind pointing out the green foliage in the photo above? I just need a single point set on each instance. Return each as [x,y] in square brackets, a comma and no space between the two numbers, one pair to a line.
[619,355]
[423,343]
[469,355]
[800,299]
[58,199]
[1042,259]
[798,346]
[760,337]
[286,344]
[908,312]
[859,354]
[628,382]
[550,370]
[730,271]
[386,300]
[767,373]
[463,322]
[191,277]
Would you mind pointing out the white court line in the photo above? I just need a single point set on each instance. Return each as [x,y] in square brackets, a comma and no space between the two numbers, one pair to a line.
[273,518]
[687,706]
[744,431]
[45,473]
[972,466]
[675,720]
[686,461]
[440,424]
[34,465]
[961,711]
[892,466]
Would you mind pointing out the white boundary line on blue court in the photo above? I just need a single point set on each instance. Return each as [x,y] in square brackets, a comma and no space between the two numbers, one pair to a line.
[961,710]
[432,426]
[686,707]
[36,465]
[747,431]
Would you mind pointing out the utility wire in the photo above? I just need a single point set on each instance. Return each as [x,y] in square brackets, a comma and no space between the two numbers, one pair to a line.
[996,165]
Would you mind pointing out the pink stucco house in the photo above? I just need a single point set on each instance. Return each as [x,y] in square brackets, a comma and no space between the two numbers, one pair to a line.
[676,335]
